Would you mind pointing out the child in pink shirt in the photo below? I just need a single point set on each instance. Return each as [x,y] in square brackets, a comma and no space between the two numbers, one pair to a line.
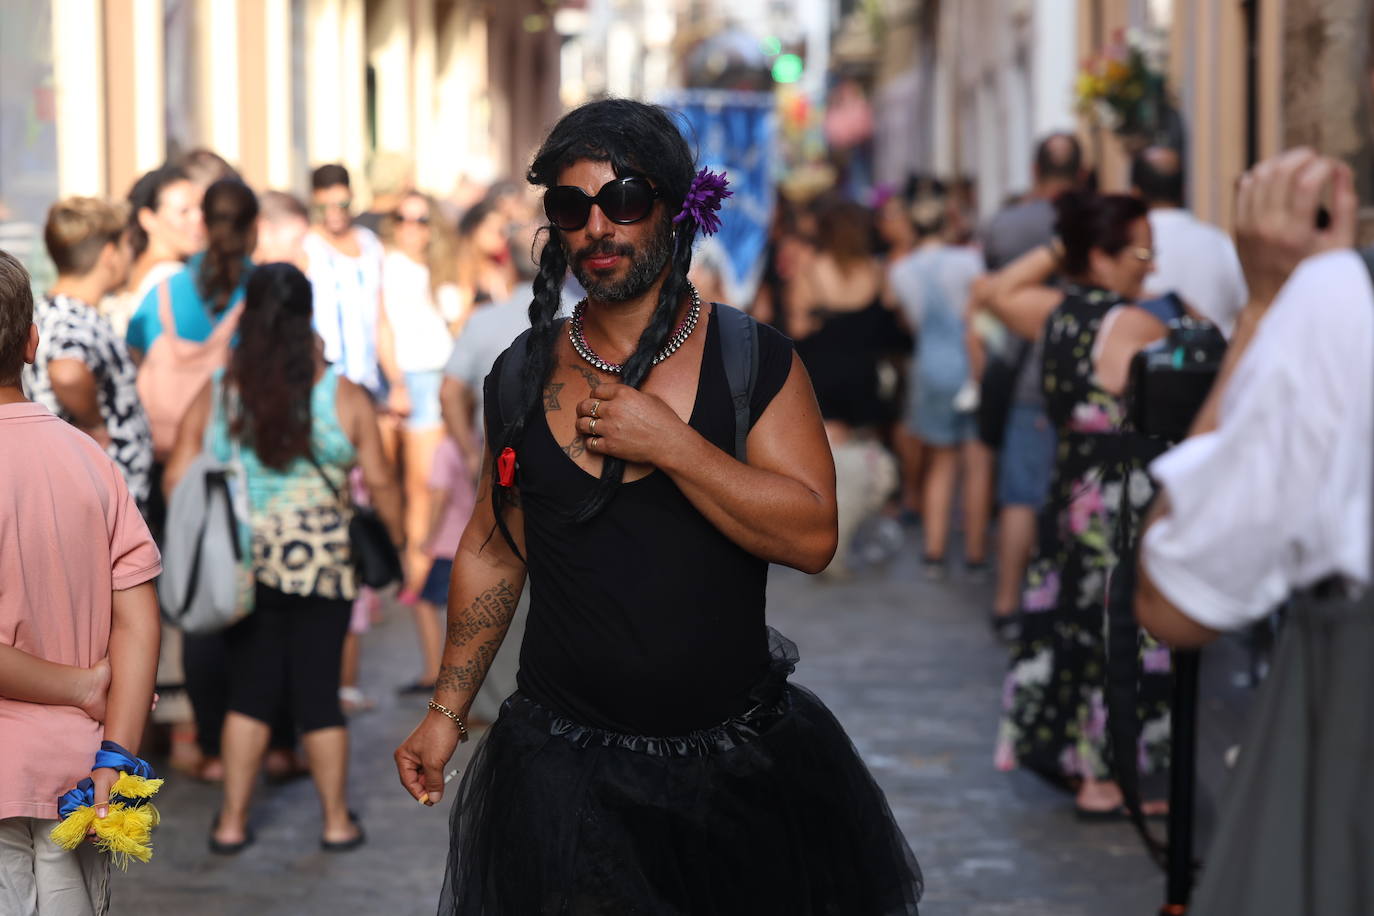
[77,563]
[452,494]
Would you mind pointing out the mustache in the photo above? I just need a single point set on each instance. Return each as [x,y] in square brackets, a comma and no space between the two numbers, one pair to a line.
[602,249]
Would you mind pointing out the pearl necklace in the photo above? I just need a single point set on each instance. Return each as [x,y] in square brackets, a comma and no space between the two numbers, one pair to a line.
[684,331]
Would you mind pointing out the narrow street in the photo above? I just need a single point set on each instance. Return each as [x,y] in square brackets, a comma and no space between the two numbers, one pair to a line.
[908,666]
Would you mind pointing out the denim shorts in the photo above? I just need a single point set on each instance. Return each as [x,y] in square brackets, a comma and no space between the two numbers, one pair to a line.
[1027,461]
[933,418]
[436,583]
[424,399]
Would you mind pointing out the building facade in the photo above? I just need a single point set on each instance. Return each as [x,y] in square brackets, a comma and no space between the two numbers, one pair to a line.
[95,92]
[973,84]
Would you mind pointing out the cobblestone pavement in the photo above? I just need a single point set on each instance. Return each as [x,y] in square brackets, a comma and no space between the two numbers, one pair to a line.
[908,666]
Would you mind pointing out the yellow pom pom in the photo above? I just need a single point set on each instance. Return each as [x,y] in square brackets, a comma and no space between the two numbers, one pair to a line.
[126,833]
[131,786]
[69,833]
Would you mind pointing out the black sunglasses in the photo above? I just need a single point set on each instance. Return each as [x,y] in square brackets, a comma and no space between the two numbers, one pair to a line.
[624,201]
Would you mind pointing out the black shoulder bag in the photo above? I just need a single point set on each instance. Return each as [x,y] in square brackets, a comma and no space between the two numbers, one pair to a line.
[375,558]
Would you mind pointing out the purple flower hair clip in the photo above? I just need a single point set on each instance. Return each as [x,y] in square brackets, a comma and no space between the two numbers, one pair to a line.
[703,200]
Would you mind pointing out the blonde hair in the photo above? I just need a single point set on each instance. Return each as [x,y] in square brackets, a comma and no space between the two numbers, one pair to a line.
[390,173]
[78,229]
[441,256]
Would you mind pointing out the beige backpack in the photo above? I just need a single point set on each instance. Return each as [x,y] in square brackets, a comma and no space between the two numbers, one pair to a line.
[174,370]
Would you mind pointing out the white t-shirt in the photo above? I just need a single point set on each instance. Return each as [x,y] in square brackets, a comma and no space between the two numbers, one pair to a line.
[1197,261]
[1278,496]
[954,269]
[347,298]
[420,325]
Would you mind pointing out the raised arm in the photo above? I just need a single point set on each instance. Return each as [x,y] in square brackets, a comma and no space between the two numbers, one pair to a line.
[1018,296]
[780,506]
[485,587]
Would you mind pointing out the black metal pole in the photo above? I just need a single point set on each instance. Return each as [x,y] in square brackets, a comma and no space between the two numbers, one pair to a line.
[1182,783]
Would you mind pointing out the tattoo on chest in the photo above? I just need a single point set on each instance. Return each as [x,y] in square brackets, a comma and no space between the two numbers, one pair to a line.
[551,396]
[576,448]
[588,376]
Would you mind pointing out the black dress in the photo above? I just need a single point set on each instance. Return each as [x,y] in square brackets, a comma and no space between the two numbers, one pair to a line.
[843,356]
[655,760]
[1054,703]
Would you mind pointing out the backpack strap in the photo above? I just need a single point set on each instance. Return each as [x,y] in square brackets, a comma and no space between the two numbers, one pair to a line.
[739,350]
[164,310]
[508,384]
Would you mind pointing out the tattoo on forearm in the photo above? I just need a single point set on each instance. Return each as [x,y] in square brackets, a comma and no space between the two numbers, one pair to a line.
[576,448]
[551,396]
[492,609]
[469,675]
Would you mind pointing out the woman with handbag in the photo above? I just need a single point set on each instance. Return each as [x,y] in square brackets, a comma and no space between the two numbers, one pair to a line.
[297,428]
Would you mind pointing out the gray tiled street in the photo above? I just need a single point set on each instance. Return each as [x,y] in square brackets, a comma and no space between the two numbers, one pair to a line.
[909,668]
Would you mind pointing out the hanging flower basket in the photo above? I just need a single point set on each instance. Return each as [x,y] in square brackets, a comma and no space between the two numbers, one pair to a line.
[1123,89]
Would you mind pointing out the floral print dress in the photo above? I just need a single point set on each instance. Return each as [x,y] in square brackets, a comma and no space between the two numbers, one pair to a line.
[1054,709]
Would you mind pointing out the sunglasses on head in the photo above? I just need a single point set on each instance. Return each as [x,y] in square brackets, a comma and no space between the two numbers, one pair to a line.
[624,201]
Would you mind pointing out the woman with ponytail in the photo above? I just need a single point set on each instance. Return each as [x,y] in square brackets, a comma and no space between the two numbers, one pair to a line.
[655,758]
[1054,712]
[298,428]
[213,281]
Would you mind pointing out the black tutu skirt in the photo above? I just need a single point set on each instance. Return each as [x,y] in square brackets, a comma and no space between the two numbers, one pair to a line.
[771,812]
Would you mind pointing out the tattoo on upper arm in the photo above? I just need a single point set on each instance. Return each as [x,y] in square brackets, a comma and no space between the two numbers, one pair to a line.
[551,396]
[492,609]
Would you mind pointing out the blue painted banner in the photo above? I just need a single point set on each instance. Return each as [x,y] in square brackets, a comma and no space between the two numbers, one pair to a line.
[734,131]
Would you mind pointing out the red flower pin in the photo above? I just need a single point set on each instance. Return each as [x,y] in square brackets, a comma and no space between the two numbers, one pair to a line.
[505,467]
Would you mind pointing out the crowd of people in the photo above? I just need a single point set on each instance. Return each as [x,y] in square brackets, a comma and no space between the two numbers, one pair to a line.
[344,358]
[993,365]
[202,315]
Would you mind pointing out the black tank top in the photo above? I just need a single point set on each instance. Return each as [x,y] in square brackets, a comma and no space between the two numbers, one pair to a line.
[645,620]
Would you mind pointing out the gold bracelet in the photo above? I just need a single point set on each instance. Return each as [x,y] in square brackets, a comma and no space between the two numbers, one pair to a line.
[457,720]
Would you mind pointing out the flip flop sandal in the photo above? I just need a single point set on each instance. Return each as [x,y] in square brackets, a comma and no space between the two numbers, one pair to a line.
[229,849]
[346,845]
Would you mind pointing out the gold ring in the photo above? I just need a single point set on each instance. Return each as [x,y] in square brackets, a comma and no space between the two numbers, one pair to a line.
[591,427]
[596,405]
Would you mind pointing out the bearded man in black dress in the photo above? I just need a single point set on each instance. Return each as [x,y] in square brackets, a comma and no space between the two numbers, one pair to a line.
[655,758]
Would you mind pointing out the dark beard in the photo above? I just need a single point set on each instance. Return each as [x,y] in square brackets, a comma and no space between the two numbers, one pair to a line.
[646,264]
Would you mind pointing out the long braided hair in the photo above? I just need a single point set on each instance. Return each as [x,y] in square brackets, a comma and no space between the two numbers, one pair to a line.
[636,139]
